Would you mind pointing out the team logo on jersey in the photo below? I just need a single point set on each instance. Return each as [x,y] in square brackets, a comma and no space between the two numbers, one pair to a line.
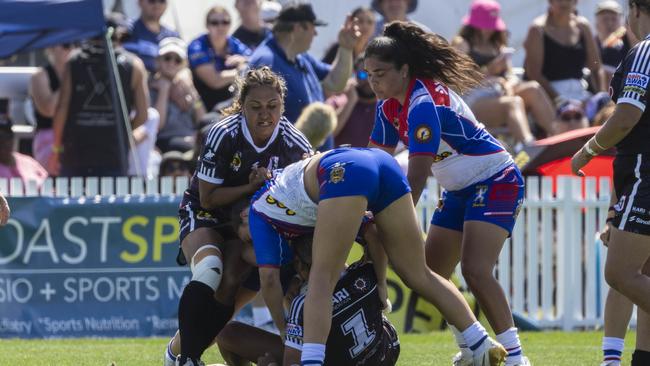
[209,154]
[442,156]
[423,134]
[337,173]
[235,164]
[360,284]
[396,122]
[620,204]
[294,330]
[636,79]
[205,215]
[479,198]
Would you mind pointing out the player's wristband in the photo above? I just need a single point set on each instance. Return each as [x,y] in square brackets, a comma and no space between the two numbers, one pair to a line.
[589,150]
[597,144]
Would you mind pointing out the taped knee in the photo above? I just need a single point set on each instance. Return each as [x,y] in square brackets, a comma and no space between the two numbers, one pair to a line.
[207,270]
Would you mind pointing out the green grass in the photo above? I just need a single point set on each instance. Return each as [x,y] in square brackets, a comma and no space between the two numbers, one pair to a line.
[544,349]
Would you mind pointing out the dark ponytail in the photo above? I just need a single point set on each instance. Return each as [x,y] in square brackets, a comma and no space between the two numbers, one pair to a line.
[428,55]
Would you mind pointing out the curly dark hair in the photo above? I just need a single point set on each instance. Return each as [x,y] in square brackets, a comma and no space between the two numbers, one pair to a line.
[262,76]
[428,55]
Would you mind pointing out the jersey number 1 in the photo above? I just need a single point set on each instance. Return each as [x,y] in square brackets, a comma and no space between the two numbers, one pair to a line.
[358,326]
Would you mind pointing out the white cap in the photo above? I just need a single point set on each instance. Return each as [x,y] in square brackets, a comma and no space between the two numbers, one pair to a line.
[173,45]
[270,10]
[609,5]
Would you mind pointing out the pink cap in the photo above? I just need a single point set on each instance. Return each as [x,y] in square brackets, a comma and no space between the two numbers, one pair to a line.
[484,14]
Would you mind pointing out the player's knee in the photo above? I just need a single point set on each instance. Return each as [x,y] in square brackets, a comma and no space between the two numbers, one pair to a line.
[207,266]
[474,274]
[614,277]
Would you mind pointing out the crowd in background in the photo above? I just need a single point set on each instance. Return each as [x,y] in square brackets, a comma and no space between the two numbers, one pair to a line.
[174,90]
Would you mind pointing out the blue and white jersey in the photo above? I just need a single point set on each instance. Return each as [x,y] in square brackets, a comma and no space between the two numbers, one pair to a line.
[434,120]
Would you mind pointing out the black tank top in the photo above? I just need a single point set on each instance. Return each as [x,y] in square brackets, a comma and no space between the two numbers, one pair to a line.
[43,122]
[481,59]
[91,136]
[563,62]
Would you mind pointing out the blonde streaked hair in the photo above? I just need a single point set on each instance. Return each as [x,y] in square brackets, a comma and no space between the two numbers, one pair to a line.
[317,121]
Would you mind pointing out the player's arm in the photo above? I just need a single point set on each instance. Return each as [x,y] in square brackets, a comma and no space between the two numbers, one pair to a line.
[215,195]
[424,140]
[241,343]
[291,356]
[383,136]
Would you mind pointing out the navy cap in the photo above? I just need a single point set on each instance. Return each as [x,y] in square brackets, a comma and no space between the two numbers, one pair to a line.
[299,12]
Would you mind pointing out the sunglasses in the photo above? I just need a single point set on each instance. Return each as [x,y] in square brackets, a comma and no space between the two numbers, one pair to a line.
[362,75]
[217,23]
[170,58]
[571,116]
[157,1]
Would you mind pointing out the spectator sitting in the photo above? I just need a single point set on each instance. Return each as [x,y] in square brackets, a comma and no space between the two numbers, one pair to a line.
[176,164]
[285,53]
[558,46]
[570,116]
[355,109]
[317,121]
[89,139]
[612,38]
[252,30]
[216,58]
[392,10]
[177,122]
[44,91]
[146,32]
[365,19]
[503,98]
[14,164]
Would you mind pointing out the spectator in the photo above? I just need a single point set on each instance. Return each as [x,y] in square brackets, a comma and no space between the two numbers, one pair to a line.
[571,116]
[612,38]
[285,53]
[365,19]
[176,164]
[503,98]
[269,10]
[146,32]
[317,121]
[14,164]
[44,91]
[392,10]
[252,30]
[88,137]
[216,58]
[5,211]
[355,109]
[558,46]
[177,122]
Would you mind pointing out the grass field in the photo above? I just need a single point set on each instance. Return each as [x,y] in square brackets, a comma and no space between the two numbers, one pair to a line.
[544,349]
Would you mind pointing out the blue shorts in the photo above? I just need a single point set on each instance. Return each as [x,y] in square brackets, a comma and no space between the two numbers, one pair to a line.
[496,200]
[371,173]
[271,248]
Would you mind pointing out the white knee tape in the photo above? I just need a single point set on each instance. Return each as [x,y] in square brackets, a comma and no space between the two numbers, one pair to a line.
[208,271]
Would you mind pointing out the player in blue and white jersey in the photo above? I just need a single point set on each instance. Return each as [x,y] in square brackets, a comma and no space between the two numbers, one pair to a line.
[330,193]
[414,74]
[237,156]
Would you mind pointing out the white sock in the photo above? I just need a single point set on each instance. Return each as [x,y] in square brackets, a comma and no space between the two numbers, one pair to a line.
[460,341]
[261,315]
[510,340]
[475,335]
[612,348]
[312,354]
[168,353]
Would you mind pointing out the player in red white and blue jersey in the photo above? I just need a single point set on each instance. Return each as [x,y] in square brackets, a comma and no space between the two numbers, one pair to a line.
[414,74]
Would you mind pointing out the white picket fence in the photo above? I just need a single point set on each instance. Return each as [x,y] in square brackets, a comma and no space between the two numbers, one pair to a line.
[551,268]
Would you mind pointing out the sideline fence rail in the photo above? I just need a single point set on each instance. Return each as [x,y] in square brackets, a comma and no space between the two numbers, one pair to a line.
[551,268]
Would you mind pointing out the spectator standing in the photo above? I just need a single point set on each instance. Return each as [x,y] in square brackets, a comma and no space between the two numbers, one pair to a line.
[612,37]
[86,131]
[392,10]
[216,58]
[558,46]
[285,52]
[252,30]
[177,121]
[14,164]
[146,32]
[366,20]
[44,91]
[355,109]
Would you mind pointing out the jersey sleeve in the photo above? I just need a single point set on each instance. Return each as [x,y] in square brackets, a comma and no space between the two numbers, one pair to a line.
[424,127]
[297,141]
[294,333]
[197,54]
[637,79]
[212,165]
[383,133]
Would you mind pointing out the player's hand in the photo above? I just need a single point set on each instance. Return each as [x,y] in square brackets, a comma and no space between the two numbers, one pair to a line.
[578,161]
[604,235]
[382,290]
[349,33]
[258,176]
[266,360]
[4,211]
